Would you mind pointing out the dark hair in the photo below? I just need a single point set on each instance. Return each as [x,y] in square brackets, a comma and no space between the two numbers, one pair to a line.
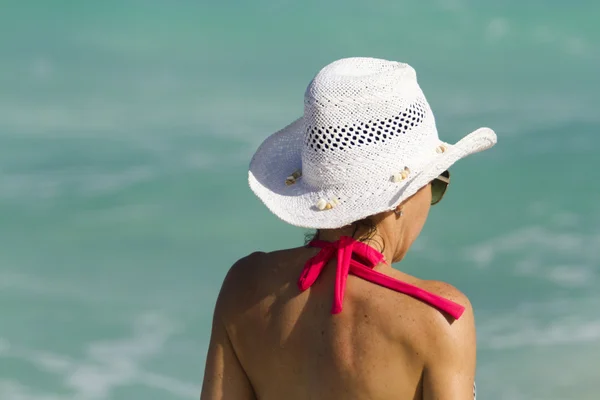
[368,234]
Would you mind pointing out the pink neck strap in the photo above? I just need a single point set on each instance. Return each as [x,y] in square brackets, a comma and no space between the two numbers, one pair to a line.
[360,259]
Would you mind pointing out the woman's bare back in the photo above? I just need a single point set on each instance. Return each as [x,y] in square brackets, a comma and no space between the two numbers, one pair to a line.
[384,345]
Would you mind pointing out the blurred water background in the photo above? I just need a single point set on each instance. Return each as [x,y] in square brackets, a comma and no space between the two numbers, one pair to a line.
[126,128]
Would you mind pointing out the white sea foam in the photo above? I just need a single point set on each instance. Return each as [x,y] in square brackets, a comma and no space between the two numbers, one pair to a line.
[558,332]
[561,252]
[571,275]
[111,182]
[11,390]
[62,120]
[107,366]
[93,181]
[27,284]
[577,46]
[557,322]
[41,289]
[42,68]
[4,346]
[498,28]
[570,43]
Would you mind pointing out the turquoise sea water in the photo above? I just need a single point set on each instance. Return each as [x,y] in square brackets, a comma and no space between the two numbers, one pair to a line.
[126,129]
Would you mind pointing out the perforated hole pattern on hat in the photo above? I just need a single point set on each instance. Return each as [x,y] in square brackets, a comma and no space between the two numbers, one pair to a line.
[379,130]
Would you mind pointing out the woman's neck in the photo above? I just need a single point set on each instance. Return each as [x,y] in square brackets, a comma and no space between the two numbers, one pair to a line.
[383,235]
[371,238]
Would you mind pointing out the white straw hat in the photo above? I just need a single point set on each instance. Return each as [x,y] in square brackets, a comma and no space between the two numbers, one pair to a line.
[367,142]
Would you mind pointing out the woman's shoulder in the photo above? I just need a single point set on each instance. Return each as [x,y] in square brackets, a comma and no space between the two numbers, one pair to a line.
[254,276]
[258,263]
[444,331]
[243,271]
[449,345]
[447,291]
[438,288]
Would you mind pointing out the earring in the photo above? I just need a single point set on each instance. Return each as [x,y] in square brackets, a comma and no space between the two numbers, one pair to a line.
[398,213]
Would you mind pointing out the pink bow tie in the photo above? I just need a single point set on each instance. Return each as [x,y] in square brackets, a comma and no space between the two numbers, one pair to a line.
[345,248]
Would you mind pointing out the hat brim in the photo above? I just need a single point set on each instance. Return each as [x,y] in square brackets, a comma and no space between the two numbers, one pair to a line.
[280,155]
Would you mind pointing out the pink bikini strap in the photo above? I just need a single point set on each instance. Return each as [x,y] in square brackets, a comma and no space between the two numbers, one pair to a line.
[366,258]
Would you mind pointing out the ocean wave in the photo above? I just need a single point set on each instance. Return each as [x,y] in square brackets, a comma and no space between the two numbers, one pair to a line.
[107,366]
[52,182]
[571,44]
[558,372]
[37,286]
[557,322]
[562,252]
[497,28]
[83,292]
[47,185]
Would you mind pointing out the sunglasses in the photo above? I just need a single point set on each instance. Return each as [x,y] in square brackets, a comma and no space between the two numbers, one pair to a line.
[439,186]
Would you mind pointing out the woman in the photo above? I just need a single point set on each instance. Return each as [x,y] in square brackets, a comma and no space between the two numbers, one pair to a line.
[332,319]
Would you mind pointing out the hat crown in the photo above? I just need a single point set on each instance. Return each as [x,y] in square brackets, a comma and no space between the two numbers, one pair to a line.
[364,118]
